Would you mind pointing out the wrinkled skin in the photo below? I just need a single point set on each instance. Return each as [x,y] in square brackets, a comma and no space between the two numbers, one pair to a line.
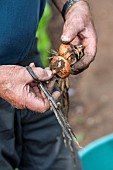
[79,29]
[19,89]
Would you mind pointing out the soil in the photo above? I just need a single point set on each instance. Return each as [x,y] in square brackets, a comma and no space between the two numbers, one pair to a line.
[91,92]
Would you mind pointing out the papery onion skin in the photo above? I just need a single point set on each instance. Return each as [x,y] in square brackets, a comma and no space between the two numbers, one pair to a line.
[60,66]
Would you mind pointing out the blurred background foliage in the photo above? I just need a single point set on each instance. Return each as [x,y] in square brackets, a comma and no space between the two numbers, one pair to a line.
[44,42]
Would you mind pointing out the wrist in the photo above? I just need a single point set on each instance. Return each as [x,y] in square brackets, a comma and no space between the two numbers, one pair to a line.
[69,5]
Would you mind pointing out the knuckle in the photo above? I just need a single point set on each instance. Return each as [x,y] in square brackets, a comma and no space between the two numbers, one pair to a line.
[41,73]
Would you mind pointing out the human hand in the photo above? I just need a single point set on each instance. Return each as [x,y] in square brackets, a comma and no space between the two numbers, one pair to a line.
[79,29]
[19,89]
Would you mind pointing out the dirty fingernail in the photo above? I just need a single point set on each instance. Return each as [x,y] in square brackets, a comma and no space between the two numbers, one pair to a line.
[49,72]
[65,38]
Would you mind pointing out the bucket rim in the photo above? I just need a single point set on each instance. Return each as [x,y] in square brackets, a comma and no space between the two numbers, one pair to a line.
[96,143]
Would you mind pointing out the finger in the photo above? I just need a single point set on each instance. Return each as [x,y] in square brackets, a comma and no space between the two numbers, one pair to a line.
[69,32]
[89,42]
[75,71]
[37,91]
[40,105]
[78,18]
[51,84]
[33,84]
[36,103]
[42,74]
[82,64]
[76,41]
[56,95]
[73,25]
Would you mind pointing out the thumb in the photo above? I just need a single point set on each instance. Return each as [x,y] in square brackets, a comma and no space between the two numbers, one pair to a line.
[41,74]
[69,32]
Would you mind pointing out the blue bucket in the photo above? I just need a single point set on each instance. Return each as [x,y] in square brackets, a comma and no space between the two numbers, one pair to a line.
[98,155]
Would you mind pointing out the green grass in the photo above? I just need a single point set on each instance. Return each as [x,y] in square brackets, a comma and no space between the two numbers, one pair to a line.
[44,43]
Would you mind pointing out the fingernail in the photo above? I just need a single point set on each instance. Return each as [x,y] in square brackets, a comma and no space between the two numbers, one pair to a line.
[49,73]
[32,65]
[65,38]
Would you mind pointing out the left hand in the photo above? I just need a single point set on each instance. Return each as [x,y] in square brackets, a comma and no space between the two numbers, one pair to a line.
[79,29]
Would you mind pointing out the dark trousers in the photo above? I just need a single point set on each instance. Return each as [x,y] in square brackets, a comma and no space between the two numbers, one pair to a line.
[33,141]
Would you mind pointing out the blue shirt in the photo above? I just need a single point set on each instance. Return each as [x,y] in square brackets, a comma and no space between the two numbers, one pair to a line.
[18,25]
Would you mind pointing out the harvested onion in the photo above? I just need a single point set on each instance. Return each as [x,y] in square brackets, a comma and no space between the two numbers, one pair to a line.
[67,56]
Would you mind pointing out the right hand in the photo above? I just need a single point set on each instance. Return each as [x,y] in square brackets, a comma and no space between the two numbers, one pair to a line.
[19,89]
[79,29]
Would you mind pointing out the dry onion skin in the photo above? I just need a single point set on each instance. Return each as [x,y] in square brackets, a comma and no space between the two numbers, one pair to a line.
[60,66]
[66,57]
[65,50]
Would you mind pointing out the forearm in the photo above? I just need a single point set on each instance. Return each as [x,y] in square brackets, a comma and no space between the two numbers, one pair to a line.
[59,4]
